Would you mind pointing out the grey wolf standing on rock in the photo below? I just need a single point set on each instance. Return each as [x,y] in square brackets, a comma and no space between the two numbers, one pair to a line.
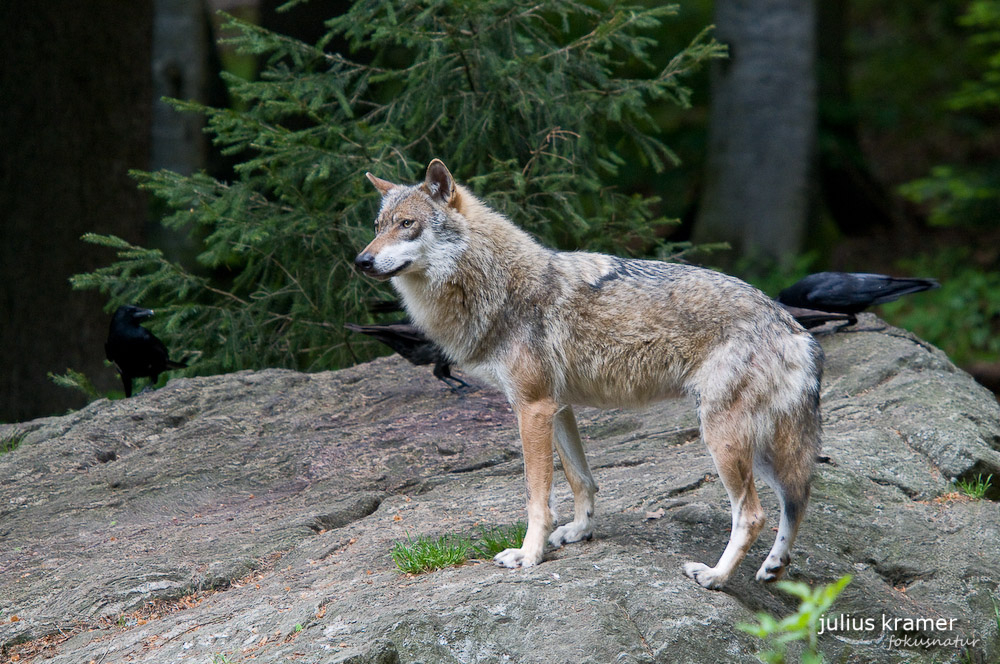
[552,329]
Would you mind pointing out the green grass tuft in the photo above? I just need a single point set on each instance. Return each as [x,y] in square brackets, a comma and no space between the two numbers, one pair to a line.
[426,554]
[499,538]
[11,441]
[996,614]
[975,488]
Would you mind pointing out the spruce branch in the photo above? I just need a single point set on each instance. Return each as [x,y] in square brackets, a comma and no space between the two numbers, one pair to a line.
[537,106]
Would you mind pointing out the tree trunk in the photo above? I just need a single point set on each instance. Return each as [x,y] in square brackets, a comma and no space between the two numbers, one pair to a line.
[762,129]
[854,197]
[185,67]
[181,43]
[75,84]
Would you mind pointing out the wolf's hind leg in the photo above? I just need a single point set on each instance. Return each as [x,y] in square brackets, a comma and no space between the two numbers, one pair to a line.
[787,471]
[733,456]
[780,556]
[574,462]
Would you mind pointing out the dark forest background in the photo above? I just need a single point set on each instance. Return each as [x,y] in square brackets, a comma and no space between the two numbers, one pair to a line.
[840,134]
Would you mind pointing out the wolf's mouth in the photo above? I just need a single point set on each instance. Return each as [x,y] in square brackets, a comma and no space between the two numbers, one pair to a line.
[393,273]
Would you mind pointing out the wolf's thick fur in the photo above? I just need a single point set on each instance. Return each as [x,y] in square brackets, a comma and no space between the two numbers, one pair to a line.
[552,329]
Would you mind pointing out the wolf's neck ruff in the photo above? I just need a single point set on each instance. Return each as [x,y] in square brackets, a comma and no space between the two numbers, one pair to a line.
[479,269]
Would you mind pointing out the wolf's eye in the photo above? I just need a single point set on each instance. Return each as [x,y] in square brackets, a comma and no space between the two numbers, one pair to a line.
[406,223]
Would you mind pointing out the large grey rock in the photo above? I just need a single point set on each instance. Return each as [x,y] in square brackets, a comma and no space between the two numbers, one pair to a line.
[252,515]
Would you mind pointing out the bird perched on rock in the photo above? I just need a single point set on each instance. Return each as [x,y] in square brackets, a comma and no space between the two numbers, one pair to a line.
[849,292]
[404,338]
[134,350]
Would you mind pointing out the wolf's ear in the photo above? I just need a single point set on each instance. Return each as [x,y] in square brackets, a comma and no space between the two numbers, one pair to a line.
[383,186]
[439,183]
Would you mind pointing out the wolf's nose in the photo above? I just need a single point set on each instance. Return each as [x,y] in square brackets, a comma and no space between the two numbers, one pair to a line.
[365,261]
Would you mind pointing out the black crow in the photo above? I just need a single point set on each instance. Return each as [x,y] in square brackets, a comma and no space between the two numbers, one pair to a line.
[408,341]
[849,292]
[134,350]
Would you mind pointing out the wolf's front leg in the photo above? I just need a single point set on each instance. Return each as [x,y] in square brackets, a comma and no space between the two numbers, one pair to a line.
[535,423]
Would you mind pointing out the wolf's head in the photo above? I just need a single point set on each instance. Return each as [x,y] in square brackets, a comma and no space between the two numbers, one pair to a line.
[418,227]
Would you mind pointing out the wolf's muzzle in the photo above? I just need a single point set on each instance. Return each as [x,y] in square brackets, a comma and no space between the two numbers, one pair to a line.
[365,263]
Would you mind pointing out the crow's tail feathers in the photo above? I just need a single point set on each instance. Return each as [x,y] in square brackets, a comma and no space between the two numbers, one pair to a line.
[904,286]
[384,306]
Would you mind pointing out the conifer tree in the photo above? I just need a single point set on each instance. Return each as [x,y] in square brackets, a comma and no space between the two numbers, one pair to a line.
[537,106]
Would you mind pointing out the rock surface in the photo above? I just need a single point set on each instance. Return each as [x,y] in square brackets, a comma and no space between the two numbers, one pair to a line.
[250,517]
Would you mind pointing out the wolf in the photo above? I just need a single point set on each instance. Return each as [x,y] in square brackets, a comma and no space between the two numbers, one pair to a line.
[554,329]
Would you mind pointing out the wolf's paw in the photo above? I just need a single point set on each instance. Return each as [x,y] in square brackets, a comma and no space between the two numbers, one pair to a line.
[706,576]
[517,558]
[773,568]
[574,531]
